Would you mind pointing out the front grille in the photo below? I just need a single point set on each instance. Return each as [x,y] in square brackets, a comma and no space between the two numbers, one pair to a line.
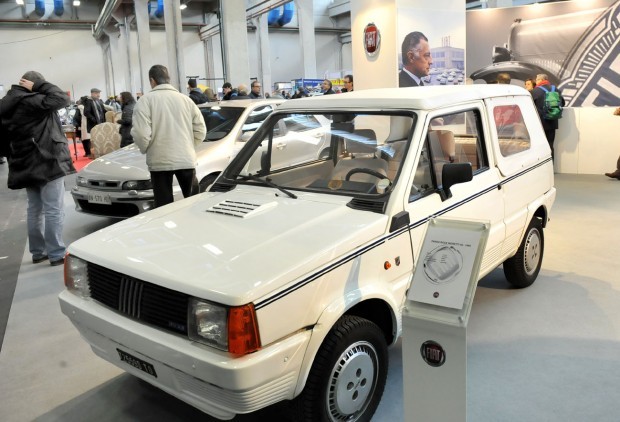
[105,184]
[138,299]
[115,209]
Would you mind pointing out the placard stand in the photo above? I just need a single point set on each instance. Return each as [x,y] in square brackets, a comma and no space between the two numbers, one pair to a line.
[435,320]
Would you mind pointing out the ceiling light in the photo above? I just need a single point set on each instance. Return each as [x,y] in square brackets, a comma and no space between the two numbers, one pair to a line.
[20,2]
[76,2]
[183,6]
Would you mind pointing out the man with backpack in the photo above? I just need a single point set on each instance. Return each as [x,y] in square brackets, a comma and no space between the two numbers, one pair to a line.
[549,103]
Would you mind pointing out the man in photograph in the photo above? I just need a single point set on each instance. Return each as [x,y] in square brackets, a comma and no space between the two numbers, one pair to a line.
[417,60]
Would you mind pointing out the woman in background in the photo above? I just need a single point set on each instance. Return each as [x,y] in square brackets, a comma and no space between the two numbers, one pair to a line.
[127,105]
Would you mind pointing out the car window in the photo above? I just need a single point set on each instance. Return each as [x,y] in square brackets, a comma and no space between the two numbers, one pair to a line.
[451,138]
[511,130]
[334,153]
[256,118]
[220,120]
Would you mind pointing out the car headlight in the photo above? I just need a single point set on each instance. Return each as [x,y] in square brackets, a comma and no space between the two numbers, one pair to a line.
[137,185]
[82,181]
[76,276]
[233,329]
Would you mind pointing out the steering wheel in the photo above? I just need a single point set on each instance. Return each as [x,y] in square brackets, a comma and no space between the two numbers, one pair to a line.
[364,170]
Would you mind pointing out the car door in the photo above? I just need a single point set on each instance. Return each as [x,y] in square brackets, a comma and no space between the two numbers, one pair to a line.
[456,136]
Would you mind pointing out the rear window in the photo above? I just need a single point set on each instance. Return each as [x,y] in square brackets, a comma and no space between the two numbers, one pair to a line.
[511,130]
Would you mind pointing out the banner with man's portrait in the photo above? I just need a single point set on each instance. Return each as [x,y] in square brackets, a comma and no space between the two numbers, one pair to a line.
[431,48]
[576,44]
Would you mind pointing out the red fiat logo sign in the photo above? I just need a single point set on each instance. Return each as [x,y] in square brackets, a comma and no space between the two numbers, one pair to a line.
[372,39]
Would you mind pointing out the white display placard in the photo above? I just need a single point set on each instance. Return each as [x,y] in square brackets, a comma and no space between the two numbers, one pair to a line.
[446,262]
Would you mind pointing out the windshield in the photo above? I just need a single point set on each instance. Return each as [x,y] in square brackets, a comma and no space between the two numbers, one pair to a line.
[336,153]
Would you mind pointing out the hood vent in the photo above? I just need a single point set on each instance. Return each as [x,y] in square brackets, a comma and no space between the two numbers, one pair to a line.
[221,187]
[239,209]
[377,206]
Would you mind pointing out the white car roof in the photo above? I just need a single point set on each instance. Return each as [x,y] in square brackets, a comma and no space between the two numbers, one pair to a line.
[244,102]
[419,98]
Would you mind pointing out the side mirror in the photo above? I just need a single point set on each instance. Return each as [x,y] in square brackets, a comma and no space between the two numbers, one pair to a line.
[454,173]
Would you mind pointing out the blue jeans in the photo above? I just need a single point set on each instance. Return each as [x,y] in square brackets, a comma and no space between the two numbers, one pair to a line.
[46,216]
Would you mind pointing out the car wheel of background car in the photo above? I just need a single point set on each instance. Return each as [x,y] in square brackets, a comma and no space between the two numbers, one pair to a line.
[522,269]
[206,182]
[348,375]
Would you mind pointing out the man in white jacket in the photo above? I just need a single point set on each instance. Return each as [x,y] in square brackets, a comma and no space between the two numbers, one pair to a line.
[167,127]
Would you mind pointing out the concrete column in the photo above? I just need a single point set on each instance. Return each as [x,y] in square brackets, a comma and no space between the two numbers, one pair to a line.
[235,41]
[112,52]
[307,44]
[174,44]
[124,64]
[145,58]
[264,52]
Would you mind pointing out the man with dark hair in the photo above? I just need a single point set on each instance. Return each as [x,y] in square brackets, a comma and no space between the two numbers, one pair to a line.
[417,60]
[348,83]
[196,93]
[167,127]
[326,87]
[227,91]
[39,160]
[255,87]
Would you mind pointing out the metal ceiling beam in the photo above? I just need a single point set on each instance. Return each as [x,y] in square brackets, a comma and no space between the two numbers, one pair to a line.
[109,7]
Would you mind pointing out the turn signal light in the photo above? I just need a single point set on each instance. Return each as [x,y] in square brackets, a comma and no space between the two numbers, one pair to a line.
[243,337]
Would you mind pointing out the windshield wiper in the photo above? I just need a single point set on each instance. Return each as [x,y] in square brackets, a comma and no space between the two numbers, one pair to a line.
[266,181]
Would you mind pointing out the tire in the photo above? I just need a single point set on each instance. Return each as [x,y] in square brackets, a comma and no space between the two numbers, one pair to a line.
[206,182]
[348,375]
[522,269]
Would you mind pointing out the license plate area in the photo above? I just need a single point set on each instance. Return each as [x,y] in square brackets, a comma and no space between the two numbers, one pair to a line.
[137,363]
[99,198]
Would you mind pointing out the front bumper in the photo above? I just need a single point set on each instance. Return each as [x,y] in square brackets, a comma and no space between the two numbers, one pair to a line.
[213,381]
[123,204]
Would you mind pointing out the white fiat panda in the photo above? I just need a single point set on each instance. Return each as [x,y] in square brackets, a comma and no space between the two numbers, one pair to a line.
[286,281]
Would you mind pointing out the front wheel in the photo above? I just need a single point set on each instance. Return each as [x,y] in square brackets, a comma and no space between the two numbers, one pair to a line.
[522,269]
[348,375]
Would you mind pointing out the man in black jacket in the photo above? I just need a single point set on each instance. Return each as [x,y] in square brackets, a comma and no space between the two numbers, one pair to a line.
[39,160]
[195,93]
[94,111]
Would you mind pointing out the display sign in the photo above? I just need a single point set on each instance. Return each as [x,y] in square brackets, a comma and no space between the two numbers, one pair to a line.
[446,263]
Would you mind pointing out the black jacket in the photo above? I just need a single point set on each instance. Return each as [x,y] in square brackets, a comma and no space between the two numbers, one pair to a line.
[126,122]
[198,96]
[38,151]
[91,114]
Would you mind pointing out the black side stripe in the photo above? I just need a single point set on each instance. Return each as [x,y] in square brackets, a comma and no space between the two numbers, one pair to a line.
[382,240]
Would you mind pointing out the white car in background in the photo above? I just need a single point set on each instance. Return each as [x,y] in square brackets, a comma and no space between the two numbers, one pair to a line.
[119,184]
